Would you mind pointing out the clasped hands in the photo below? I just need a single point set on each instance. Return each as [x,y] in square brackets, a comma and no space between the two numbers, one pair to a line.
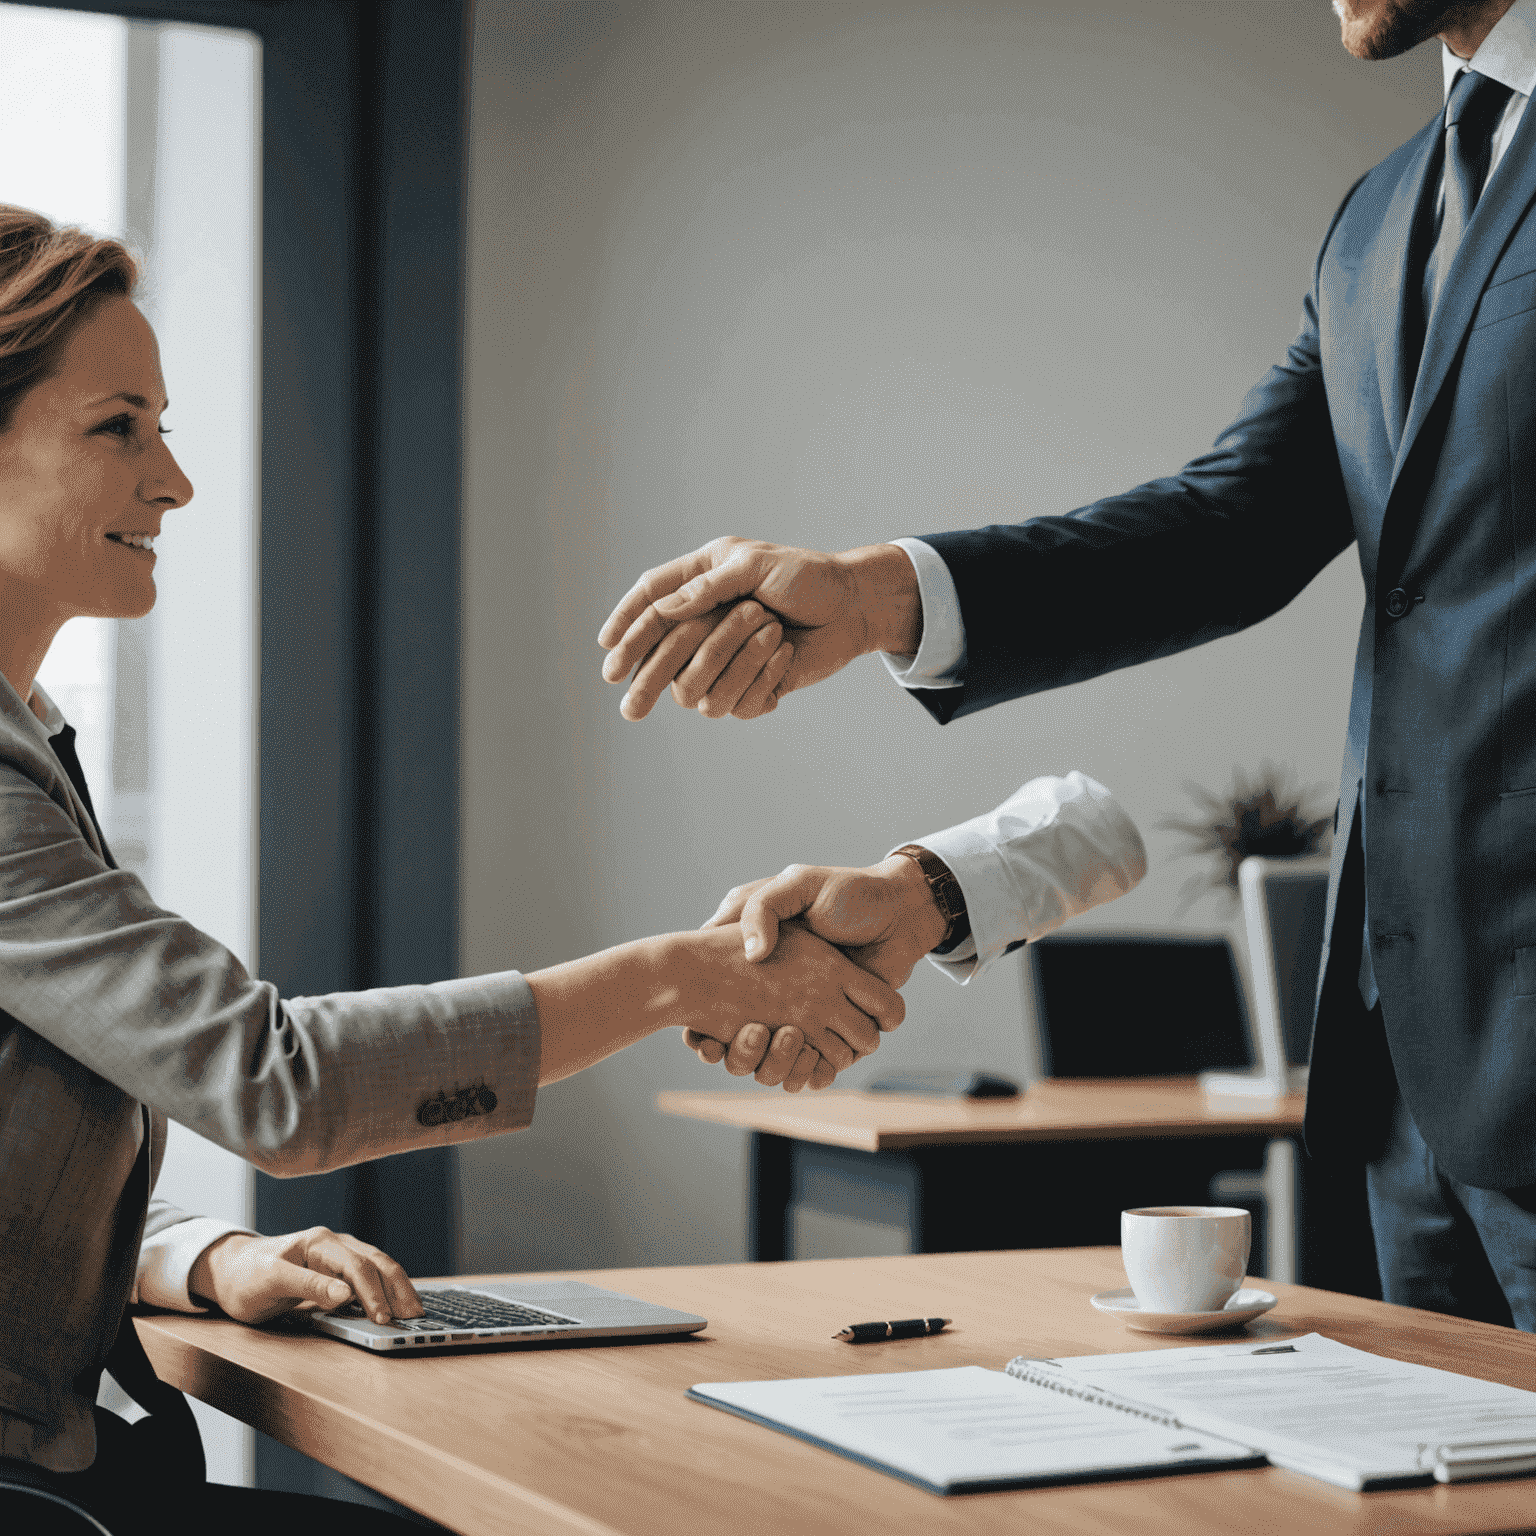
[730,629]
[883,917]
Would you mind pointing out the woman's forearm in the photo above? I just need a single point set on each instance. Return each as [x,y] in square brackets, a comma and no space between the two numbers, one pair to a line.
[591,1007]
[702,981]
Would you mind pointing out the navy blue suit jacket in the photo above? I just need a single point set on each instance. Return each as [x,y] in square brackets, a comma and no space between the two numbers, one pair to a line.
[1429,466]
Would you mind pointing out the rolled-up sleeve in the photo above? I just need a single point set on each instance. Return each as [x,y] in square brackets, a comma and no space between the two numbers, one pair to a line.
[1053,850]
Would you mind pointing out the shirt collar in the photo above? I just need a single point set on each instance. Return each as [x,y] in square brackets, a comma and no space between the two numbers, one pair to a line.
[13,707]
[1508,53]
[53,720]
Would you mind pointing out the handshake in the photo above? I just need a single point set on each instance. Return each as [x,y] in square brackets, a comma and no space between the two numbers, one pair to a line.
[814,956]
[883,918]
[732,628]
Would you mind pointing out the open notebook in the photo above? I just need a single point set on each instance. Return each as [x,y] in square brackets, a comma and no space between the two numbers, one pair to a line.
[1310,1404]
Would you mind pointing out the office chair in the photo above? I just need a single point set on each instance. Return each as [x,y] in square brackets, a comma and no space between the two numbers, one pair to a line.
[43,1512]
[1153,1005]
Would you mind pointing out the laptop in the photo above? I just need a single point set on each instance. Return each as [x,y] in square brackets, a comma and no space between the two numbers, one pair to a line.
[460,1317]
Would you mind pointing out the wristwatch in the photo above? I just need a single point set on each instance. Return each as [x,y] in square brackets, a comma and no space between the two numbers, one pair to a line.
[947,896]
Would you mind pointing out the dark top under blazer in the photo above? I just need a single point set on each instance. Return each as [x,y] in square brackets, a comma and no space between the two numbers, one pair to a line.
[1433,475]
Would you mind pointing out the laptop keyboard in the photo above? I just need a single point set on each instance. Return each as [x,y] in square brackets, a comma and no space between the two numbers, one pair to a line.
[469,1309]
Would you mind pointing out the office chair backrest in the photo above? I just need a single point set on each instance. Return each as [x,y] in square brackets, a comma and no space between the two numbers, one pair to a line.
[1284,903]
[1137,1005]
[40,1512]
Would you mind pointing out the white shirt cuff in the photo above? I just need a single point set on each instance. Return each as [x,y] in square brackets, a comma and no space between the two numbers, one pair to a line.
[940,659]
[167,1257]
[1051,851]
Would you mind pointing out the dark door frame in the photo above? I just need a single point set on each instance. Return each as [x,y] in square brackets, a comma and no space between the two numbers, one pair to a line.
[363,166]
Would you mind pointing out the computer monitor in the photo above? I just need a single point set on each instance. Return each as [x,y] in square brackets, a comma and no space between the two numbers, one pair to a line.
[1284,902]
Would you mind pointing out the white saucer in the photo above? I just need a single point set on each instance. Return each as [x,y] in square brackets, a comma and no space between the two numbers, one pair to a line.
[1243,1307]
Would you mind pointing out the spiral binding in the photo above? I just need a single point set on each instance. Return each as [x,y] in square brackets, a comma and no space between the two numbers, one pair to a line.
[1020,1367]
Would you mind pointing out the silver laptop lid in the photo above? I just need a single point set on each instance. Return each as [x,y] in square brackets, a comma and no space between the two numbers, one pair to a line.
[503,1313]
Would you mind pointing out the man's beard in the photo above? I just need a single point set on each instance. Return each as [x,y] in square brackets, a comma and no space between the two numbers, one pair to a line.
[1397,27]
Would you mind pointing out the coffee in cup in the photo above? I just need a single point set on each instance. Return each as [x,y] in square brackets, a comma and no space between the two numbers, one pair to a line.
[1185,1258]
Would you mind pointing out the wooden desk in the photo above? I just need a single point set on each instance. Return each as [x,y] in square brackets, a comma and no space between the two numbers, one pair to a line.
[602,1441]
[1055,1110]
[924,1174]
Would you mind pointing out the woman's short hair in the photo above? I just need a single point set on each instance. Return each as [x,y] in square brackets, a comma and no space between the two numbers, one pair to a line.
[51,276]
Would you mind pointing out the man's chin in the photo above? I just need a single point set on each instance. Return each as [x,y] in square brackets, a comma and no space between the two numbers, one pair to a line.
[1384,29]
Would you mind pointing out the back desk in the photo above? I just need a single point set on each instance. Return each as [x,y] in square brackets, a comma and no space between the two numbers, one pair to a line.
[1052,1168]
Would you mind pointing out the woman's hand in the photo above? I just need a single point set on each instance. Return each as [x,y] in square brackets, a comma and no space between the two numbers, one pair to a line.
[784,1054]
[771,1056]
[254,1279]
[883,917]
[704,982]
[838,1007]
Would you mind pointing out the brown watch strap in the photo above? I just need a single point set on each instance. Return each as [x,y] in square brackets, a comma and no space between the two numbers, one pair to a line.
[947,896]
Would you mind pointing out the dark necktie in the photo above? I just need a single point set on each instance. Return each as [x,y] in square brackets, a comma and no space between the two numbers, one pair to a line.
[1473,108]
[170,1432]
[1471,112]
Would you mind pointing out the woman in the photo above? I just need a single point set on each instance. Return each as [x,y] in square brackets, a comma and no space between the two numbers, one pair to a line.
[117,1014]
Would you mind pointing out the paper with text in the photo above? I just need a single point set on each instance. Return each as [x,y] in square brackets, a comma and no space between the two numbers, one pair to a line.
[1319,1406]
[966,1427]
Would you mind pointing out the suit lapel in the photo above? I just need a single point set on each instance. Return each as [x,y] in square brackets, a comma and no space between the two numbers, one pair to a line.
[1393,278]
[1499,212]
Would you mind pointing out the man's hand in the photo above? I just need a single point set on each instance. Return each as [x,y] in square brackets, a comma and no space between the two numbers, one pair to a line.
[737,624]
[838,1007]
[254,1279]
[883,917]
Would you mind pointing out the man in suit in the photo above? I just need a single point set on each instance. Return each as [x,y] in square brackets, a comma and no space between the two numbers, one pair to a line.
[1402,418]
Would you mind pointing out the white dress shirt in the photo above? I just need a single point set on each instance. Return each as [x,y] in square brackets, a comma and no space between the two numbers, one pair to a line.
[1508,55]
[1053,849]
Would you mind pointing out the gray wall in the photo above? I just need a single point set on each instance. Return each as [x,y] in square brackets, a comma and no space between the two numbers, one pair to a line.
[829,274]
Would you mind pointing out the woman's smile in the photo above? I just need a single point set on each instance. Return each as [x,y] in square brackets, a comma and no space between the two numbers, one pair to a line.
[140,543]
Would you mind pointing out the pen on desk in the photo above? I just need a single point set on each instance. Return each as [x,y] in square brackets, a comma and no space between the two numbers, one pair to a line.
[907,1328]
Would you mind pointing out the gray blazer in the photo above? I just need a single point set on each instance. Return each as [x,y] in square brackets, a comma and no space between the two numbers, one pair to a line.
[108,1002]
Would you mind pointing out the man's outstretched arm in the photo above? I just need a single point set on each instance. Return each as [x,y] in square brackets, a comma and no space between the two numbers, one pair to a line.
[1224,543]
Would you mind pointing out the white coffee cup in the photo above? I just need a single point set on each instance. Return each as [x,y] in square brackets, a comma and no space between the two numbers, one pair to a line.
[1185,1258]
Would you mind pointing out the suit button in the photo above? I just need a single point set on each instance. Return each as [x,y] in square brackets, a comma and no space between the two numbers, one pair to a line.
[1397,603]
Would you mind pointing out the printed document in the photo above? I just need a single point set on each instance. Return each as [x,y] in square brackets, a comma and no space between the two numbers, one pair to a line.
[1317,1406]
[966,1429]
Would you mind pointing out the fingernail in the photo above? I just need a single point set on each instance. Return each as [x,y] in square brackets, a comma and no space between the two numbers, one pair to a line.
[754,944]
